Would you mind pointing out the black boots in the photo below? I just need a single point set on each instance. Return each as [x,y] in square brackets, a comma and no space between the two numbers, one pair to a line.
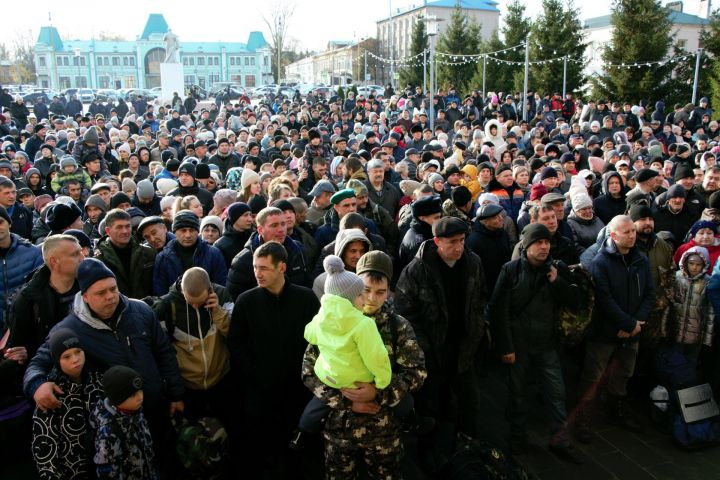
[619,414]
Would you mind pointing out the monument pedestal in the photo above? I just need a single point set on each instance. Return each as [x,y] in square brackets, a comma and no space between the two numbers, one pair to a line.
[171,81]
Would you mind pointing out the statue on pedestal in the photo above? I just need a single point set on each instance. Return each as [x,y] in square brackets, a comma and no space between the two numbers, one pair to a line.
[171,47]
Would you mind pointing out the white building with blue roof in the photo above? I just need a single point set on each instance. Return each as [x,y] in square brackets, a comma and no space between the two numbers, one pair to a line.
[62,64]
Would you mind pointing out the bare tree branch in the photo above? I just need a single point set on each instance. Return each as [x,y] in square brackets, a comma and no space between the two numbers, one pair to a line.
[278,23]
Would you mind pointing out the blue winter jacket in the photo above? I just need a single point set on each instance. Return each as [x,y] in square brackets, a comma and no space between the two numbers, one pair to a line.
[169,267]
[22,258]
[138,342]
[624,292]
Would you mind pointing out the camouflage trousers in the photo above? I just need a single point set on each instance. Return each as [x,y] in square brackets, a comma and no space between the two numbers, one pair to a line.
[381,459]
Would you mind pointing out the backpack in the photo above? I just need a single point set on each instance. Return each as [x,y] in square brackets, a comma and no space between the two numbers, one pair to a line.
[480,460]
[574,320]
[201,446]
[692,411]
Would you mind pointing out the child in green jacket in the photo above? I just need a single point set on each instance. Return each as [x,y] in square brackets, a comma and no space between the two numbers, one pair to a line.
[351,349]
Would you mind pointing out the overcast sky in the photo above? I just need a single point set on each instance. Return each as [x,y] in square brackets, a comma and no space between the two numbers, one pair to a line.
[315,21]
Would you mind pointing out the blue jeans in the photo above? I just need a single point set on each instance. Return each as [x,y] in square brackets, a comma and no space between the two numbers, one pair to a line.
[552,386]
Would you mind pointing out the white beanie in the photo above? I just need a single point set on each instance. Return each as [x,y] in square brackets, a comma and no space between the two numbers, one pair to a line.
[214,221]
[580,201]
[248,178]
[166,185]
[166,202]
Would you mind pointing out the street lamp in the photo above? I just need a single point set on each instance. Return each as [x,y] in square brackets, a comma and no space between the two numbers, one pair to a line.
[432,31]
[77,62]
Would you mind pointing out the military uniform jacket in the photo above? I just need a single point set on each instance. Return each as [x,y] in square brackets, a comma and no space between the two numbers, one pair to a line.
[408,374]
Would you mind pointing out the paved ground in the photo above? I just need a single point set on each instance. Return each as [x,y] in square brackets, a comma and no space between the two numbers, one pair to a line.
[614,454]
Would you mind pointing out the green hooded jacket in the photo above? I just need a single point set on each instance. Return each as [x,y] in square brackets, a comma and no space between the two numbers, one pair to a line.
[351,349]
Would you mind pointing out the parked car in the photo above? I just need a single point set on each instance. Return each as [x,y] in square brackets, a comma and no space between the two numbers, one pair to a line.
[31,98]
[366,89]
[107,95]
[85,95]
[324,91]
[260,92]
[146,94]
[236,91]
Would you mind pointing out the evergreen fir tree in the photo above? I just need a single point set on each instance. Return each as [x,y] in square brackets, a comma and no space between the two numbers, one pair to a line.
[557,32]
[642,32]
[413,75]
[462,37]
[709,84]
[515,32]
[498,76]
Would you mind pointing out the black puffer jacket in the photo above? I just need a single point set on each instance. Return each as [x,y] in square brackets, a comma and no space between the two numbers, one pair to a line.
[232,241]
[420,298]
[493,248]
[524,305]
[418,233]
[606,207]
[241,277]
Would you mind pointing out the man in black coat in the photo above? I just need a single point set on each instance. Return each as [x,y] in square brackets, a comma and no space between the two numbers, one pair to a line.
[674,216]
[188,185]
[442,293]
[624,297]
[489,240]
[425,212]
[270,227]
[47,295]
[266,349]
[523,311]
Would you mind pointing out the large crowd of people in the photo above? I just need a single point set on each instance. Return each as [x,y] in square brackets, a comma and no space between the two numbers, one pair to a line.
[334,274]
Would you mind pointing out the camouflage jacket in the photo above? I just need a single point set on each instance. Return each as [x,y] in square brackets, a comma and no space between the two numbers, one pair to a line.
[408,364]
[123,446]
[452,210]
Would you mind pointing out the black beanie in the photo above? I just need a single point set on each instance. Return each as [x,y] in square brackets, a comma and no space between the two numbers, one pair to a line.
[166,155]
[202,171]
[638,211]
[187,167]
[237,210]
[172,165]
[5,215]
[534,232]
[92,270]
[426,206]
[120,383]
[62,339]
[119,198]
[501,168]
[461,196]
[60,216]
[185,219]
[683,170]
[257,203]
[714,200]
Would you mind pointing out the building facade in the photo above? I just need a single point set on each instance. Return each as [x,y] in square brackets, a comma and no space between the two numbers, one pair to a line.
[342,63]
[62,64]
[394,33]
[598,34]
